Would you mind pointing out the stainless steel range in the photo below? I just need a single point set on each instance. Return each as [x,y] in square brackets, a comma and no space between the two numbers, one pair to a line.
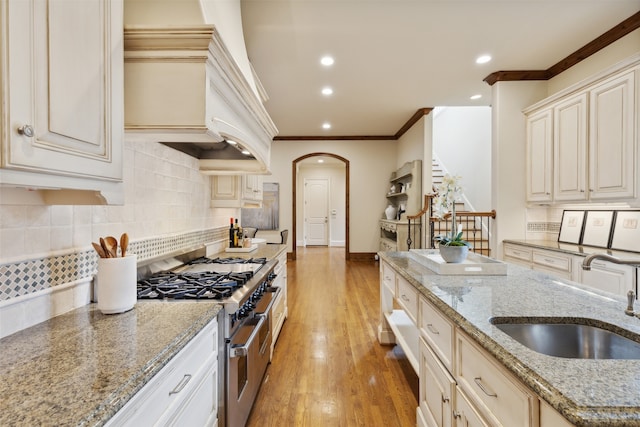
[244,288]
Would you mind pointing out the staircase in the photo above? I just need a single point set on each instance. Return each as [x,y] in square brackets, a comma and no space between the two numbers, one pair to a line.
[472,230]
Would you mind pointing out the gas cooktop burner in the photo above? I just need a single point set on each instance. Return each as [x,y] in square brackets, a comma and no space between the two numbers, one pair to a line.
[231,260]
[192,285]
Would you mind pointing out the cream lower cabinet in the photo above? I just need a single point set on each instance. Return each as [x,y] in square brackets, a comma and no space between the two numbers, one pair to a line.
[463,385]
[547,261]
[398,314]
[437,391]
[61,103]
[604,275]
[184,393]
[279,310]
[499,397]
[607,276]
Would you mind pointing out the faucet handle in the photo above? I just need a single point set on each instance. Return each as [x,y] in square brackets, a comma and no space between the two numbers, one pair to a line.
[630,299]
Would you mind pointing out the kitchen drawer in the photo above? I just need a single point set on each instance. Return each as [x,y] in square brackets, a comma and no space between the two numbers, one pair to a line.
[437,331]
[408,299]
[494,392]
[172,385]
[437,389]
[465,414]
[388,277]
[200,408]
[517,252]
[555,261]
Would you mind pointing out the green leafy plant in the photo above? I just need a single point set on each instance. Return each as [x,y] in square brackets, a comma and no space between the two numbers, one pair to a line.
[449,192]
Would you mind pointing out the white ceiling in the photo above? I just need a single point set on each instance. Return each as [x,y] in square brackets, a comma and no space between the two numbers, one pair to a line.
[393,57]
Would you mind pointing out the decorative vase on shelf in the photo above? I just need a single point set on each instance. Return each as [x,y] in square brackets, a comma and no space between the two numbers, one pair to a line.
[391,212]
[454,254]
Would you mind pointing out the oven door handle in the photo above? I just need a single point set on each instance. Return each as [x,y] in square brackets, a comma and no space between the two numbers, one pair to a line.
[243,350]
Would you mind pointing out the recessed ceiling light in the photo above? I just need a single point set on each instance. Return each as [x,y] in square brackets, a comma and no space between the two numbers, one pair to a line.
[483,59]
[327,61]
[326,91]
[320,160]
[246,152]
[326,125]
[231,142]
[474,97]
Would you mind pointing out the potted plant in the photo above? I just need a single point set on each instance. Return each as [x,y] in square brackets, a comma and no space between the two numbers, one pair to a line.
[453,248]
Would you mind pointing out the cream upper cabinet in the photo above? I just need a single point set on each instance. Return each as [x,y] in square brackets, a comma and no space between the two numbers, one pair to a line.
[570,149]
[62,90]
[539,156]
[252,188]
[612,138]
[236,191]
[581,145]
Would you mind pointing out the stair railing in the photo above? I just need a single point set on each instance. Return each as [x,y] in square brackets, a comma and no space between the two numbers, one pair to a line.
[476,227]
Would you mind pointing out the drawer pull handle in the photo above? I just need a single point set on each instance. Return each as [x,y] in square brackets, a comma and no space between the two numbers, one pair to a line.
[445,399]
[550,261]
[432,329]
[404,298]
[478,381]
[182,384]
[457,414]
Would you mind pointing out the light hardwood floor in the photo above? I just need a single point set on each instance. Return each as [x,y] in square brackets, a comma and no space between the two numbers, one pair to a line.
[328,368]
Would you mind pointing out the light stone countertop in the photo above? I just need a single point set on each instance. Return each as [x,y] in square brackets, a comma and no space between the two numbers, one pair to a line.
[79,368]
[586,392]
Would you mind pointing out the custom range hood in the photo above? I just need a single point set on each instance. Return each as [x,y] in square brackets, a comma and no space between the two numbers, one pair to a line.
[189,85]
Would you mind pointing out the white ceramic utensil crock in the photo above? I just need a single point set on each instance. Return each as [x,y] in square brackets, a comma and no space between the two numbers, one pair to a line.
[116,284]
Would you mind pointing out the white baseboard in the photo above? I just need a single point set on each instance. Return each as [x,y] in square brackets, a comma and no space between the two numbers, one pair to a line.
[25,311]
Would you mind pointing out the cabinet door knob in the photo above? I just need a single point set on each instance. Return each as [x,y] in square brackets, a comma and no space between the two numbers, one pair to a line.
[26,130]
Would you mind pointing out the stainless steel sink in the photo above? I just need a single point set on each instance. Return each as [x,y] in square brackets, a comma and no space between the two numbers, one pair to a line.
[570,340]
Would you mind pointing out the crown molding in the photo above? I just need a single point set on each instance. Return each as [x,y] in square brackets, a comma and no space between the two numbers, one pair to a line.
[622,29]
[416,116]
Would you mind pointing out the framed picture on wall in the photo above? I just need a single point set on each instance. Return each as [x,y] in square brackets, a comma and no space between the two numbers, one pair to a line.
[626,231]
[597,228]
[571,227]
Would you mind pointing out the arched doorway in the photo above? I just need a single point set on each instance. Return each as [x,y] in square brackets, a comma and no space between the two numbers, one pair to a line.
[294,179]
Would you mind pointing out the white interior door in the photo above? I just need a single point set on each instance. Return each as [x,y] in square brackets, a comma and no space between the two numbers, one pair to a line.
[316,211]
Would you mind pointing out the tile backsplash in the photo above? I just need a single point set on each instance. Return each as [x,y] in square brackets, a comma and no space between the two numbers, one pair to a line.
[46,259]
[25,277]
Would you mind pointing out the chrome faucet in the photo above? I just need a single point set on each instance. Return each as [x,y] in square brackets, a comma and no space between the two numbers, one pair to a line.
[586,264]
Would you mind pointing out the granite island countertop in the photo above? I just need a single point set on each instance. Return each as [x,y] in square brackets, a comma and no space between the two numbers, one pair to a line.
[81,367]
[586,392]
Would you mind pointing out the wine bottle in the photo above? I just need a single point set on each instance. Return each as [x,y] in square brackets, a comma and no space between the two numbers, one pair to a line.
[235,234]
[231,242]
